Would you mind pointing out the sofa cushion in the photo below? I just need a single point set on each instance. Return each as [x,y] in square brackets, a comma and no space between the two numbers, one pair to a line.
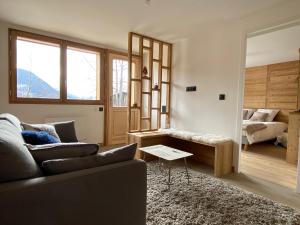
[12,119]
[61,150]
[41,127]
[38,137]
[16,161]
[66,131]
[57,166]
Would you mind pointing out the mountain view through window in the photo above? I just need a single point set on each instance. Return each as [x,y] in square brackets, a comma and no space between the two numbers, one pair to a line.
[39,71]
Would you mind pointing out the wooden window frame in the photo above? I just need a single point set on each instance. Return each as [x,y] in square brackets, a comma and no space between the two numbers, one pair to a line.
[63,44]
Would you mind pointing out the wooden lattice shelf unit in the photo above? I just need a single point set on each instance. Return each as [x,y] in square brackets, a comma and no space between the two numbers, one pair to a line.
[150,68]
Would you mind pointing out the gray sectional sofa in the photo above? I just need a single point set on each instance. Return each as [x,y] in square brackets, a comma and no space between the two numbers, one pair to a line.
[113,194]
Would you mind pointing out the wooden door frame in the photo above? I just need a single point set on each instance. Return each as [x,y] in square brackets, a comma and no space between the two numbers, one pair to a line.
[241,87]
[107,85]
[298,166]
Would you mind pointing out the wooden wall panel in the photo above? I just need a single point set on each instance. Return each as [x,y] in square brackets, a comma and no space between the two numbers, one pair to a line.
[256,87]
[283,85]
[273,86]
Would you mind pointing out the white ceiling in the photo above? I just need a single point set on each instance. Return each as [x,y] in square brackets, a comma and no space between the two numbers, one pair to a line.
[275,47]
[109,21]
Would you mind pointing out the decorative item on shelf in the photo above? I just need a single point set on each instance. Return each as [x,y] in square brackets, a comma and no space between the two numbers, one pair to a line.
[135,105]
[155,86]
[163,109]
[145,71]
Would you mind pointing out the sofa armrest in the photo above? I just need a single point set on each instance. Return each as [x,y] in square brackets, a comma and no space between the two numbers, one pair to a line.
[109,195]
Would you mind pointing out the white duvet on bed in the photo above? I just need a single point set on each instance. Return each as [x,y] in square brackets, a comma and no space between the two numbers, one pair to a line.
[272,130]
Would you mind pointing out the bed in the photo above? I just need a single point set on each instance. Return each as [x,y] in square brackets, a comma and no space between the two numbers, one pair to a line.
[259,125]
[271,131]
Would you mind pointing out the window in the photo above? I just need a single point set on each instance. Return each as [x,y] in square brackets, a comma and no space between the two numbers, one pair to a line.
[82,79]
[49,70]
[38,70]
[120,82]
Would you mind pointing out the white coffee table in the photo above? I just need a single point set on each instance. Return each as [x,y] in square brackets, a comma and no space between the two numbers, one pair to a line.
[169,154]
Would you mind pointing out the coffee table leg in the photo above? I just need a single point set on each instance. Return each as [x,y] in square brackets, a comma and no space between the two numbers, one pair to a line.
[186,169]
[160,164]
[169,183]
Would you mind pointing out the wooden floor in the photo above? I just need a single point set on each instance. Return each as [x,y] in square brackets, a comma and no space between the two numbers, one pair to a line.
[267,161]
[255,184]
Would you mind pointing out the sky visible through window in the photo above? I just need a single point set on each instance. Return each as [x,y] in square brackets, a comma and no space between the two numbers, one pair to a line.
[81,75]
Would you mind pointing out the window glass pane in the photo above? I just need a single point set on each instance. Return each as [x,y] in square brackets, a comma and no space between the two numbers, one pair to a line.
[120,83]
[83,74]
[38,69]
[165,56]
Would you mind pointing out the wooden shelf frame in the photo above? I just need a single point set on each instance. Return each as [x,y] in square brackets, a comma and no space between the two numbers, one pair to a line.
[164,62]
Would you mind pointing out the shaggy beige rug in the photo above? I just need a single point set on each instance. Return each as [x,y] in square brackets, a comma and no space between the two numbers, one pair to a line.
[207,200]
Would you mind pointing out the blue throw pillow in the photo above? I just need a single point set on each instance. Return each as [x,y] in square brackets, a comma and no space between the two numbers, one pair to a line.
[38,137]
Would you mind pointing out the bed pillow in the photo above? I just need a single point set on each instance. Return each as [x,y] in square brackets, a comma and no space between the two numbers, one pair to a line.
[259,117]
[121,154]
[38,137]
[271,113]
[249,113]
[245,113]
[41,127]
[61,150]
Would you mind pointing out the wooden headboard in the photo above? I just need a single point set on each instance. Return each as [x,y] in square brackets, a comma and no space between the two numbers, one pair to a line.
[283,116]
[274,86]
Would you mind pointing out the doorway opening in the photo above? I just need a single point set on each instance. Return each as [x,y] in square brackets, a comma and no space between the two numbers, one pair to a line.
[271,96]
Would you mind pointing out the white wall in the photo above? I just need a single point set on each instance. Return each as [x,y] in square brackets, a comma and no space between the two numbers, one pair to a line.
[212,58]
[274,47]
[38,113]
[211,61]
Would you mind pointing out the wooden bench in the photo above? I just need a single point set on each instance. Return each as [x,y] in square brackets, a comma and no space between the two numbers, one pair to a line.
[218,154]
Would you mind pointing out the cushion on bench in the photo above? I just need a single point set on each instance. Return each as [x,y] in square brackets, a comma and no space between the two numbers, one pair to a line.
[210,138]
[185,135]
[190,136]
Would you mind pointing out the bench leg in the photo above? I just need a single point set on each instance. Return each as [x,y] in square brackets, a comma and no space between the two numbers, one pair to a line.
[144,156]
[218,164]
